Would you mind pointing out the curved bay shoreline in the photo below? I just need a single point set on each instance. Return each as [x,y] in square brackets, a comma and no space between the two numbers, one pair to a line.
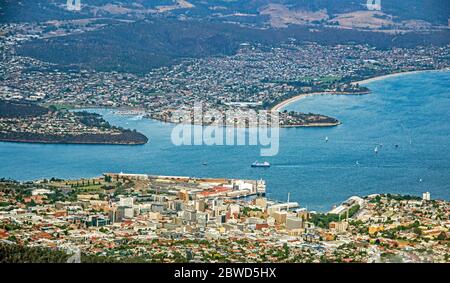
[288,101]
[279,107]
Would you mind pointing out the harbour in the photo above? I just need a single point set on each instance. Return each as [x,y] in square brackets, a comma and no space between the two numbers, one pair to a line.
[318,174]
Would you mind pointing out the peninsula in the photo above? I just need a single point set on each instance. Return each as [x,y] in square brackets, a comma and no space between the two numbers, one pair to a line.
[31,123]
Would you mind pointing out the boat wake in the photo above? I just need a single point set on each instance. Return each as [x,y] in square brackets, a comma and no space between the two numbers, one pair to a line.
[137,118]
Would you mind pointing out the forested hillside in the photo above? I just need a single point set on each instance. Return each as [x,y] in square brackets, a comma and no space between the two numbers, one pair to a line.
[142,46]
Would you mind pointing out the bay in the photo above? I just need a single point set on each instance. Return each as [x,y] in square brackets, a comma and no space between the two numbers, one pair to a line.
[411,111]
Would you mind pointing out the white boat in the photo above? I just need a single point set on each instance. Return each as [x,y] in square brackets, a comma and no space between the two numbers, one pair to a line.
[259,164]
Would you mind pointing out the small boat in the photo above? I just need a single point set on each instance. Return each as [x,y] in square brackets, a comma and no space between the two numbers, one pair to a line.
[357,162]
[326,139]
[204,163]
[259,164]
[376,150]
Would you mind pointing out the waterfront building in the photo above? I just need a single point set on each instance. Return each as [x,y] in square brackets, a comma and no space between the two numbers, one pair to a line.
[261,202]
[426,196]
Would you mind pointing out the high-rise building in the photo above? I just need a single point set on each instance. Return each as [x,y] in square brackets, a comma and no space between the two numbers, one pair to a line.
[294,223]
[202,218]
[128,212]
[183,195]
[261,202]
[119,213]
[189,215]
[221,219]
[279,216]
[126,201]
[200,205]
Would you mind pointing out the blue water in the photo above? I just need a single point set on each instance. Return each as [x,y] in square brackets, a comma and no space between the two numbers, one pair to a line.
[412,111]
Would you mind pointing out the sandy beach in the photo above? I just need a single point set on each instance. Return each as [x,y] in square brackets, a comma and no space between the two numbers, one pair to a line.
[286,102]
[379,78]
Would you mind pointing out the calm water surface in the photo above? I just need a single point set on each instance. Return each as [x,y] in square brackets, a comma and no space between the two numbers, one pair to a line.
[411,111]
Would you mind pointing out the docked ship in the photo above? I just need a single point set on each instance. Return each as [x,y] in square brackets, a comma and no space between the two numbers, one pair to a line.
[259,164]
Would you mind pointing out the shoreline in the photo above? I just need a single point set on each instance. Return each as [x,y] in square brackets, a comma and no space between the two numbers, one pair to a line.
[67,143]
[279,107]
[398,74]
[288,101]
[253,126]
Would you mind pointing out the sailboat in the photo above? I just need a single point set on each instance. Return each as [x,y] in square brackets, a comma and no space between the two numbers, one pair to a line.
[376,150]
[326,139]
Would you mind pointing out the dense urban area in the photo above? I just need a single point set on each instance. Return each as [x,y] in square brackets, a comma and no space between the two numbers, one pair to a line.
[256,77]
[142,218]
[236,63]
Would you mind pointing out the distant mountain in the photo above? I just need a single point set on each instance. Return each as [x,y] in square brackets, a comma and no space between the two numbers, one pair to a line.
[435,12]
[160,32]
